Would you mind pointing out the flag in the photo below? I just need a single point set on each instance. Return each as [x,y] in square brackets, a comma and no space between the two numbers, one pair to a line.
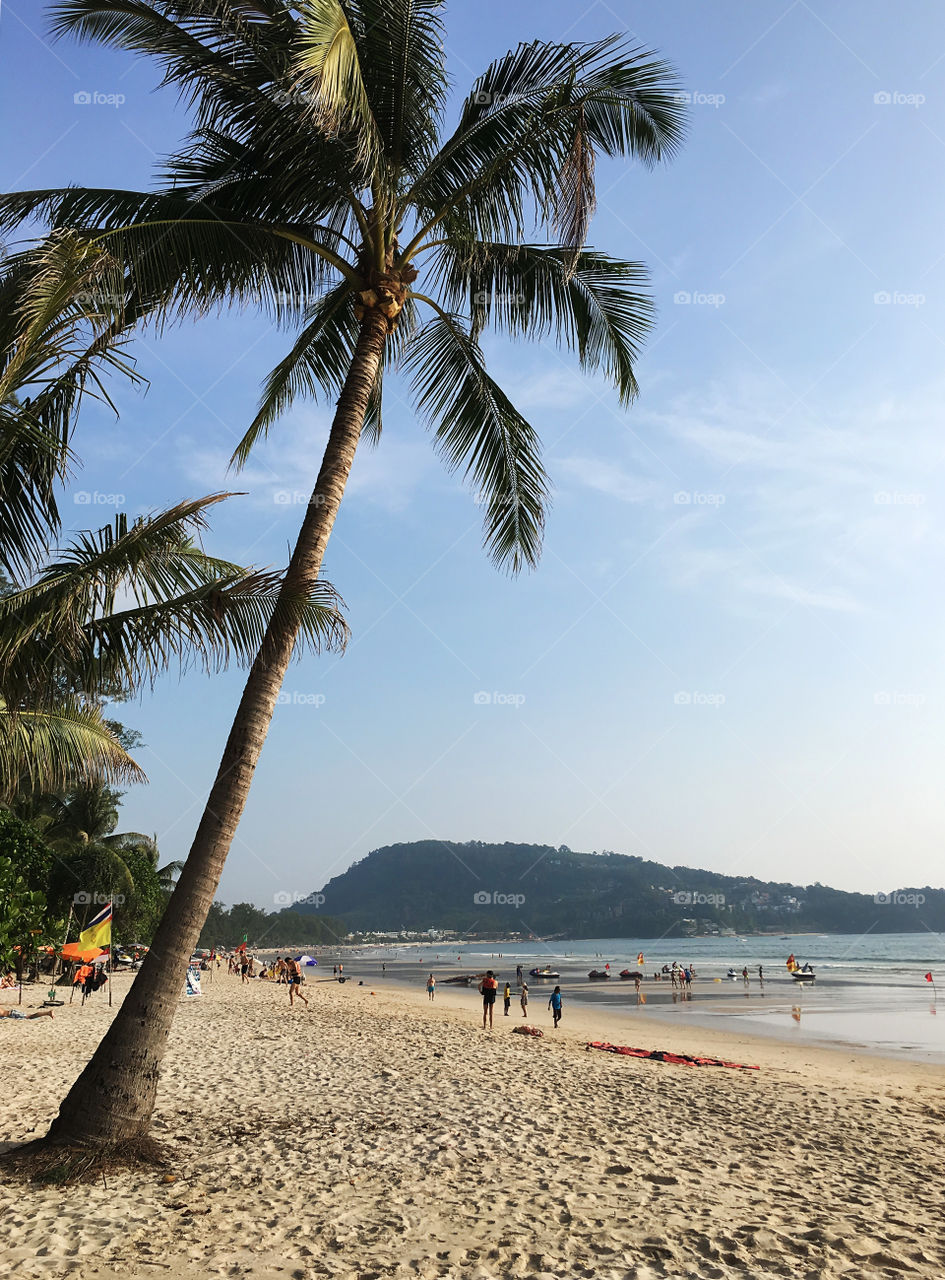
[640,958]
[98,933]
[929,978]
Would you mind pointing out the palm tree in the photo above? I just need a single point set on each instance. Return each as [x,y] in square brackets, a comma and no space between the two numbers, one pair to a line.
[80,827]
[63,643]
[109,612]
[319,182]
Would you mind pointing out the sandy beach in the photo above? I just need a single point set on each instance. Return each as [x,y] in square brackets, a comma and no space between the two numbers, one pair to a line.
[375,1135]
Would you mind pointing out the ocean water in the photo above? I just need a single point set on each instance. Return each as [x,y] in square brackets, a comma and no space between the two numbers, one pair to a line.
[870,995]
[892,959]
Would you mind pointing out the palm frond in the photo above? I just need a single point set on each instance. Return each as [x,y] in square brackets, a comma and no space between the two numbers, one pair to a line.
[183,607]
[477,427]
[401,54]
[590,303]
[530,126]
[318,363]
[328,70]
[57,346]
[49,748]
[315,367]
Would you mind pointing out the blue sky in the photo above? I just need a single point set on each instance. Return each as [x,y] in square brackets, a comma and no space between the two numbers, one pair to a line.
[731,655]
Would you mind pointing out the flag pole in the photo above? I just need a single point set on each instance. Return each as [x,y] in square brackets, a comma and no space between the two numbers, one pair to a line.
[64,941]
[108,962]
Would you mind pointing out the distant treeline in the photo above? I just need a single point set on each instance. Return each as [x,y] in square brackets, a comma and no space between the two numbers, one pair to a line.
[229,926]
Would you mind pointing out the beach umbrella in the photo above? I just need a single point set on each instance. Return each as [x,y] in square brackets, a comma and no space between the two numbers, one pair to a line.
[75,951]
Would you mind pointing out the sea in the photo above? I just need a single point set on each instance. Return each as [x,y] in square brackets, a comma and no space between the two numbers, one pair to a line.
[871,993]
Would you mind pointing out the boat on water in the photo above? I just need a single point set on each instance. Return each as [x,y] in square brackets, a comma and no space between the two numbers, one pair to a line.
[597,975]
[631,973]
[547,972]
[804,975]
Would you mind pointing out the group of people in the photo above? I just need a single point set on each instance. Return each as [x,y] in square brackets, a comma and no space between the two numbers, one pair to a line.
[680,976]
[489,990]
[284,969]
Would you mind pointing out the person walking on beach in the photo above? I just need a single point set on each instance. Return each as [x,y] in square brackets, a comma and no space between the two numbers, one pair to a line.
[295,981]
[507,998]
[554,1004]
[745,975]
[761,975]
[524,1000]
[488,987]
[431,986]
[519,977]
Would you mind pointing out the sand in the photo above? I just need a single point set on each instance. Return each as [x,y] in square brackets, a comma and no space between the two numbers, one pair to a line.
[378,1136]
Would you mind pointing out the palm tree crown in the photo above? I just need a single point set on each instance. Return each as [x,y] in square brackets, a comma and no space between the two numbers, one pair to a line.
[320,182]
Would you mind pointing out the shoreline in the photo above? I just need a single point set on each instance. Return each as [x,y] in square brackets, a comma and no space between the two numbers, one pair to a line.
[891,1022]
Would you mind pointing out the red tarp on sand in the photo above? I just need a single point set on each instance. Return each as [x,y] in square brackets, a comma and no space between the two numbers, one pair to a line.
[660,1055]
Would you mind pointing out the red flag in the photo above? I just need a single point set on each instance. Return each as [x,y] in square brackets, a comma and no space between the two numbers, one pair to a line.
[928,977]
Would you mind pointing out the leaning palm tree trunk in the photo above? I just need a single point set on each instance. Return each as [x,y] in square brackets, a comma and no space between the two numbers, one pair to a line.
[112,1100]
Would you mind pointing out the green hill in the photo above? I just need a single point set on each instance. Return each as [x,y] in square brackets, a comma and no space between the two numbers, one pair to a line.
[493,890]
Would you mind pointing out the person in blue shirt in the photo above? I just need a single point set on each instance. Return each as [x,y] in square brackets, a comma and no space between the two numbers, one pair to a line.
[554,1004]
